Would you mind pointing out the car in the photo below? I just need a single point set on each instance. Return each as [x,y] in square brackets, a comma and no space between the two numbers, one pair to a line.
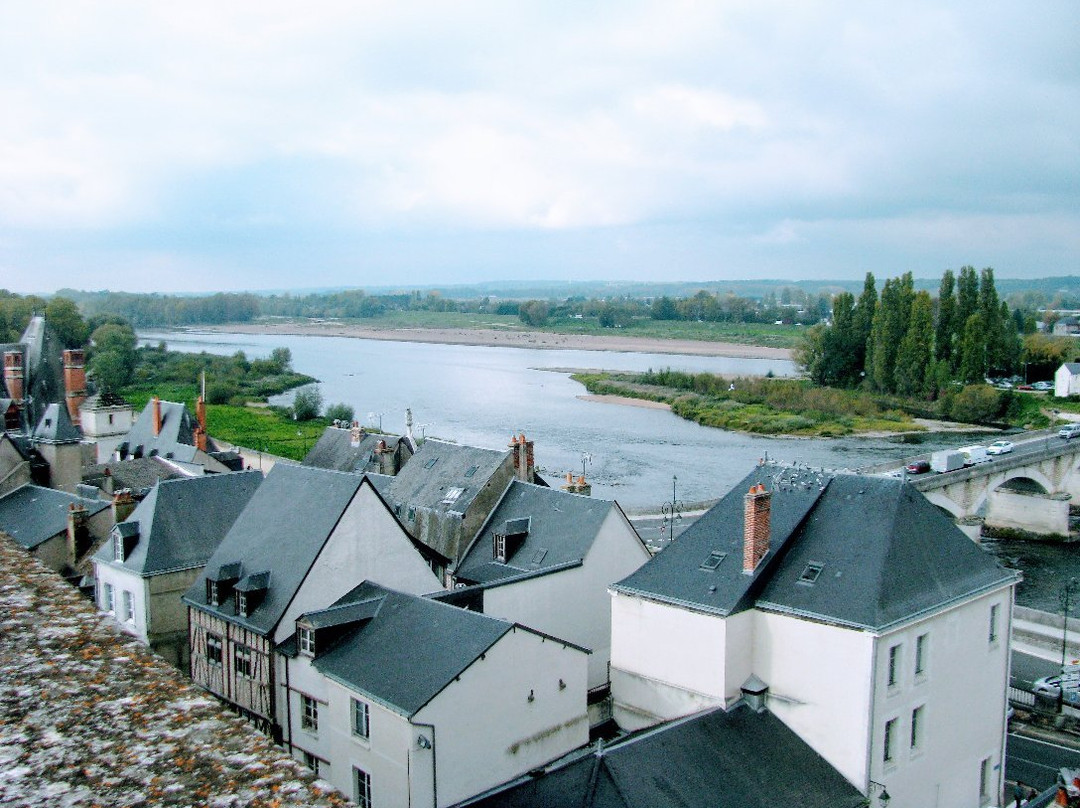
[918,467]
[1043,385]
[1069,431]
[1025,387]
[1052,686]
[999,447]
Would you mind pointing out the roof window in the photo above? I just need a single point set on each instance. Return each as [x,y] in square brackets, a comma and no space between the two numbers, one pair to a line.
[471,471]
[811,573]
[452,496]
[431,462]
[713,561]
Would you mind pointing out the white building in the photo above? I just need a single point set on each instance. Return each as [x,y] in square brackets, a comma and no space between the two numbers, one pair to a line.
[869,624]
[401,700]
[1067,380]
[105,419]
[545,558]
[158,551]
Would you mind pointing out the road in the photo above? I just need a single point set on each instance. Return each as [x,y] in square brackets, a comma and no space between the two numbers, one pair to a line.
[1025,443]
[1036,761]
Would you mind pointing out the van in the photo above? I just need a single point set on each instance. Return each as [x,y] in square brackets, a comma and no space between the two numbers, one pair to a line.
[1069,431]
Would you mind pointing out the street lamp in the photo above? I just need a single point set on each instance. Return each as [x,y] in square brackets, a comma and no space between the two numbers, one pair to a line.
[883,797]
[672,511]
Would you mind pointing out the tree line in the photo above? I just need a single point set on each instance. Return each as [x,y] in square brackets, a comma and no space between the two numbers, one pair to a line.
[908,343]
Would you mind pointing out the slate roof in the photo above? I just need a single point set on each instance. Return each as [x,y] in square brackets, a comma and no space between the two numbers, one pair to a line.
[181,522]
[55,426]
[408,650]
[32,515]
[1072,367]
[104,399]
[334,450]
[177,430]
[883,552]
[439,466]
[139,475]
[561,531]
[281,531]
[734,759]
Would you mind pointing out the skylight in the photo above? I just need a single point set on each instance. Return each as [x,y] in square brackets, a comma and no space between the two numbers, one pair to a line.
[471,471]
[811,573]
[713,561]
[452,496]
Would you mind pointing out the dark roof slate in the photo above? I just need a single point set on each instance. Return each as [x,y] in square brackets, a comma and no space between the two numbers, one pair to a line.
[718,759]
[561,530]
[884,553]
[138,475]
[334,450]
[409,649]
[55,426]
[177,429]
[281,531]
[181,522]
[439,466]
[32,515]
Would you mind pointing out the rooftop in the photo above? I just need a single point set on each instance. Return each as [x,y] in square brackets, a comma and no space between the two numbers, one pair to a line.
[31,514]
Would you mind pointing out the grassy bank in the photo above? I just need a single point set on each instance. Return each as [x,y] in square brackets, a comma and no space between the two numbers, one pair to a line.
[768,406]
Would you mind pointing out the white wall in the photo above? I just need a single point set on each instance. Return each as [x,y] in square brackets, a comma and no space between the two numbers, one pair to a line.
[665,661]
[123,580]
[574,604]
[484,730]
[1065,383]
[368,544]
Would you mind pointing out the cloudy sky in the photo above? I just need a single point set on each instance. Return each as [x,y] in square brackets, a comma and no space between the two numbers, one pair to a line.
[224,145]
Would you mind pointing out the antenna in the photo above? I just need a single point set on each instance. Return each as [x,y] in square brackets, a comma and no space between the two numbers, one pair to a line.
[586,460]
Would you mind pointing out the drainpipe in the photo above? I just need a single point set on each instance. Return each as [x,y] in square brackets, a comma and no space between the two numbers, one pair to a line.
[288,708]
[434,778]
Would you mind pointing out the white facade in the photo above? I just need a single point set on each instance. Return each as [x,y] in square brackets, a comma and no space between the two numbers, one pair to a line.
[574,603]
[838,688]
[1066,381]
[104,428]
[517,707]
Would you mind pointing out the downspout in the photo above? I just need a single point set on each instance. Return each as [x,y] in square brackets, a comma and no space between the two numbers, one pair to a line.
[1008,678]
[288,707]
[434,778]
[871,731]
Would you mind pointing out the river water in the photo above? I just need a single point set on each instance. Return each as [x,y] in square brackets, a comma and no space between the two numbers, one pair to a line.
[483,395]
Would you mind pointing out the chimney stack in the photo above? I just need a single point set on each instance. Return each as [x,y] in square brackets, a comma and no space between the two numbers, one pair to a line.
[523,458]
[13,373]
[78,536]
[74,381]
[157,415]
[123,504]
[200,429]
[757,506]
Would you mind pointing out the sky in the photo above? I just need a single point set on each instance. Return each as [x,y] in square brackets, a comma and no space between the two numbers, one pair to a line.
[220,146]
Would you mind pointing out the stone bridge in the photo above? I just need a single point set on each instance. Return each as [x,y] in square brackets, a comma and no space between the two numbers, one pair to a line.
[1029,489]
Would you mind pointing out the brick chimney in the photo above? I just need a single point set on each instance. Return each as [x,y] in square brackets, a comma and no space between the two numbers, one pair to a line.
[78,534]
[757,506]
[157,415]
[523,458]
[122,505]
[13,373]
[200,429]
[74,381]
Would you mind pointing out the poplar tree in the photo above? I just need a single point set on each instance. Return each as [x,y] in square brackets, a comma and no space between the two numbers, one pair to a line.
[914,359]
[946,326]
[863,323]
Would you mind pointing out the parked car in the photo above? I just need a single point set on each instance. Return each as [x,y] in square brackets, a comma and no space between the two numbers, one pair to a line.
[918,467]
[1069,431]
[1043,385]
[999,447]
[1052,685]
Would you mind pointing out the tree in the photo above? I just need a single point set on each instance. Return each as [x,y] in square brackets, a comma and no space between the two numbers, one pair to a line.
[976,403]
[972,351]
[307,404]
[281,358]
[67,323]
[534,312]
[946,326]
[340,412]
[664,308]
[113,356]
[863,322]
[915,356]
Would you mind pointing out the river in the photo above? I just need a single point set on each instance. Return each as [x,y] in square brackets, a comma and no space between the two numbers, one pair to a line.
[483,395]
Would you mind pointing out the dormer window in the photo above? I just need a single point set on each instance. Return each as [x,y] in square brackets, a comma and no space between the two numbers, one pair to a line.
[124,537]
[242,603]
[306,639]
[499,549]
[118,546]
[250,592]
[212,598]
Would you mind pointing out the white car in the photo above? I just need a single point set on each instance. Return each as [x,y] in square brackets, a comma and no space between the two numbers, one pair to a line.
[999,447]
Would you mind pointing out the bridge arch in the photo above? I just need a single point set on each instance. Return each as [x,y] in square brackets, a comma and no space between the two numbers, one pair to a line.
[1025,484]
[950,508]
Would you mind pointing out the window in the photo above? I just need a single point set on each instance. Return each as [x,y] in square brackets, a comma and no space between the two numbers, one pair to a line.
[452,495]
[212,593]
[242,604]
[213,649]
[921,643]
[500,547]
[361,788]
[431,462]
[128,602]
[713,561]
[360,719]
[889,754]
[471,471]
[917,726]
[894,665]
[242,660]
[306,637]
[811,573]
[309,713]
[313,762]
[984,781]
[108,598]
[118,546]
[994,622]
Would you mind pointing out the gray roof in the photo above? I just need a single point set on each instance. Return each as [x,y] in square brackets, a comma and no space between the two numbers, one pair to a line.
[1072,367]
[103,400]
[177,430]
[409,648]
[561,528]
[882,552]
[181,522]
[439,466]
[281,531]
[334,450]
[734,759]
[32,515]
[139,475]
[55,426]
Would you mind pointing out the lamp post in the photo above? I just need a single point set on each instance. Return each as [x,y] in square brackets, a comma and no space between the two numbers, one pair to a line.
[883,798]
[672,511]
